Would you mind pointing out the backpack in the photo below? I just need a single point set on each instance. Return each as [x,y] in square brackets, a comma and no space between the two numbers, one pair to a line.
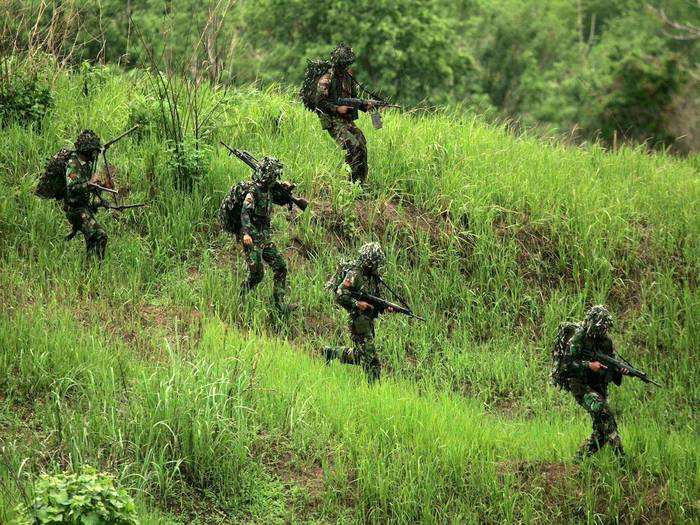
[231,206]
[52,183]
[315,69]
[336,279]
[561,352]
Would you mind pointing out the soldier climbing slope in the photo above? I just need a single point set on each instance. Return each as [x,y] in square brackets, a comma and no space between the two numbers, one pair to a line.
[247,212]
[331,91]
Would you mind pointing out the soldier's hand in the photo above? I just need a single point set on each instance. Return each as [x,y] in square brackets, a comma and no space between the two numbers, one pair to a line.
[369,106]
[247,240]
[363,305]
[597,366]
[343,110]
[624,371]
[390,309]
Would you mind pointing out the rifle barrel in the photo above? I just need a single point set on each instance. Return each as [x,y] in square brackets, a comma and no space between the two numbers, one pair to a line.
[102,188]
[110,142]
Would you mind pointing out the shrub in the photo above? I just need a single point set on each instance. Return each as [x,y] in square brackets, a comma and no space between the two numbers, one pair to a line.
[144,111]
[24,100]
[188,162]
[88,497]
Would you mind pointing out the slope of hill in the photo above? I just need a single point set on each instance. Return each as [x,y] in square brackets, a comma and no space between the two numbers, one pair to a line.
[210,409]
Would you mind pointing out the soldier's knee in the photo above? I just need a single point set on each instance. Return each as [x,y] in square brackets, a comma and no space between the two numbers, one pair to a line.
[280,269]
[255,274]
[595,403]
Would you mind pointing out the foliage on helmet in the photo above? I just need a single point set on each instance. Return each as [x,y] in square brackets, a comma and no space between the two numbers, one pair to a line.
[269,171]
[371,255]
[598,317]
[87,142]
[342,55]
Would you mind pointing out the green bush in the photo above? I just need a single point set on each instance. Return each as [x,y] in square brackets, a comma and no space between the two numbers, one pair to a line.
[86,498]
[144,111]
[24,100]
[188,162]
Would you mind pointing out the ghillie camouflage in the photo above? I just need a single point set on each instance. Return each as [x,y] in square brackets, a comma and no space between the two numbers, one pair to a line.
[343,55]
[52,183]
[371,255]
[88,142]
[315,69]
[561,354]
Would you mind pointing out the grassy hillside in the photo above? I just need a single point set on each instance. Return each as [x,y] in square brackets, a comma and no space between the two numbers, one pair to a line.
[212,410]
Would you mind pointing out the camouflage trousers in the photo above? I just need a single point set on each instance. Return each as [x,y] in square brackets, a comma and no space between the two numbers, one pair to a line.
[83,220]
[604,424]
[363,351]
[267,252]
[349,137]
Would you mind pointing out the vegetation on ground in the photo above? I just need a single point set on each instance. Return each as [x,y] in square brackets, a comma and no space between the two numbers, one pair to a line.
[212,410]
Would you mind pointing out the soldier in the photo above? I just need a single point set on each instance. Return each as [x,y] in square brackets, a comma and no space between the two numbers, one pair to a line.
[338,121]
[588,380]
[255,231]
[78,204]
[361,275]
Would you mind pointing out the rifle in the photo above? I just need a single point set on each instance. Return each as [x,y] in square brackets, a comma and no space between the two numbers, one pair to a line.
[106,147]
[285,188]
[380,305]
[120,207]
[614,365]
[362,103]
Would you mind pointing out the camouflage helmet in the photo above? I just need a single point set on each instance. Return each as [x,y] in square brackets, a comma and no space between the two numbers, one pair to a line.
[371,255]
[599,318]
[87,142]
[342,55]
[269,171]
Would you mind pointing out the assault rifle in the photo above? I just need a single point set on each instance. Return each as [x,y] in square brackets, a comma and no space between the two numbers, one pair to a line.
[285,188]
[380,305]
[108,176]
[615,364]
[363,103]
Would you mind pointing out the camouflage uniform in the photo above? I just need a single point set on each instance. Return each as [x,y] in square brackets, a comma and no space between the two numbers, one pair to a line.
[590,388]
[256,214]
[78,204]
[362,275]
[334,84]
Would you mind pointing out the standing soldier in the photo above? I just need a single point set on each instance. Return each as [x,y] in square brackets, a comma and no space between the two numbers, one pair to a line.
[250,220]
[587,378]
[362,275]
[78,204]
[325,83]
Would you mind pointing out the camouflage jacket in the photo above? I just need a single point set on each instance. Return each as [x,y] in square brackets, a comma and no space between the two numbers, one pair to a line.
[581,344]
[256,211]
[78,175]
[329,89]
[355,279]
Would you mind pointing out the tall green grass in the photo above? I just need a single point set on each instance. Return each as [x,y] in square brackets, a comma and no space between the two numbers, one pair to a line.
[151,367]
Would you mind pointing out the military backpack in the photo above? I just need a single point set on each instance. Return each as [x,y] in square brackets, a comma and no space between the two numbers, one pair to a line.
[561,353]
[52,183]
[315,69]
[231,206]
